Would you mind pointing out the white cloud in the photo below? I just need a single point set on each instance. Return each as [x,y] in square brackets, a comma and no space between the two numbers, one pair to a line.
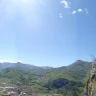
[86,10]
[66,3]
[74,12]
[79,10]
[60,15]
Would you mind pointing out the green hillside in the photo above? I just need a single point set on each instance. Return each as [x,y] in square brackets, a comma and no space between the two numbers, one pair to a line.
[67,80]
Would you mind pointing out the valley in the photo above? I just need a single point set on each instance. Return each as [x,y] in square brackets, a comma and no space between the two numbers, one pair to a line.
[32,80]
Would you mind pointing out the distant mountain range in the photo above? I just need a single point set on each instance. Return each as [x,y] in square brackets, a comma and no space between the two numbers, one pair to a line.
[75,71]
[22,66]
[5,65]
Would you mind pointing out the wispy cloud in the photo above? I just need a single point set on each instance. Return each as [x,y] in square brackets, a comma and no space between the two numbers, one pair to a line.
[86,10]
[79,10]
[74,12]
[60,15]
[66,3]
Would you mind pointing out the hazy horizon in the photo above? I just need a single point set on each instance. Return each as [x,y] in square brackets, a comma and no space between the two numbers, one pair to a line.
[1,61]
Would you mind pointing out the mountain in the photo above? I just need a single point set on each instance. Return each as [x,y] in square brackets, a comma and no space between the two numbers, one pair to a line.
[79,68]
[22,66]
[67,80]
[6,65]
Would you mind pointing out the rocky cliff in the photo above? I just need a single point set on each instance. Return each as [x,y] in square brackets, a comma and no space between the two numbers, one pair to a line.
[90,89]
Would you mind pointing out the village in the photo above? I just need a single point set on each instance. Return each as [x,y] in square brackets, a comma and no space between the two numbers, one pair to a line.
[15,91]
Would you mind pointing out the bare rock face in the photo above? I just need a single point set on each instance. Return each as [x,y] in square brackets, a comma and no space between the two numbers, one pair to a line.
[91,83]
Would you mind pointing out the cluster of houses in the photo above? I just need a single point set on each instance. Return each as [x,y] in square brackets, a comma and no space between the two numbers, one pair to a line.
[27,92]
[12,91]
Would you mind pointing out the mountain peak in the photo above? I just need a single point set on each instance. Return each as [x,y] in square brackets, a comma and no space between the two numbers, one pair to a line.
[81,61]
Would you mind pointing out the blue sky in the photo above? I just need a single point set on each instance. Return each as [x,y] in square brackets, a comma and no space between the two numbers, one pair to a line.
[47,32]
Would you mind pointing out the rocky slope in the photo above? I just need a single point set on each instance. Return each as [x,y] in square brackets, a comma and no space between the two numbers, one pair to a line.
[90,89]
